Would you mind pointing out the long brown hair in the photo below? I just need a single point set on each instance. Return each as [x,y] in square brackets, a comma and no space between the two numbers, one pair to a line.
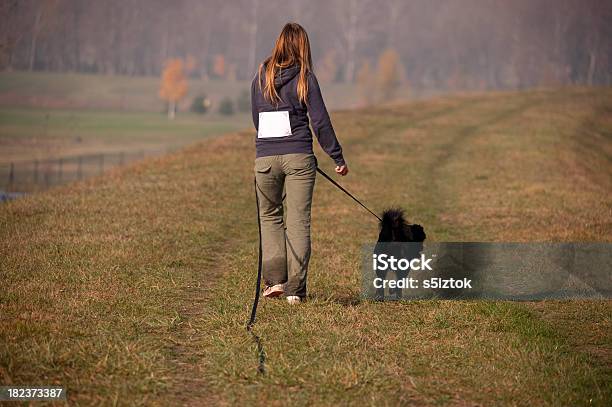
[292,48]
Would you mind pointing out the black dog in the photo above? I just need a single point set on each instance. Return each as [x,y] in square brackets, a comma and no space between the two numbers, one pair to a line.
[395,229]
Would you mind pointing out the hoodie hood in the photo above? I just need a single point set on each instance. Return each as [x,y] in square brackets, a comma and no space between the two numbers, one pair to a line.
[284,75]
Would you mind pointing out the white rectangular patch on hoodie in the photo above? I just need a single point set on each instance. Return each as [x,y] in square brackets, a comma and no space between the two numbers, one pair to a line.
[274,124]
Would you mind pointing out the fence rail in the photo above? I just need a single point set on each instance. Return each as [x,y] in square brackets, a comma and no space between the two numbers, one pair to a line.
[36,175]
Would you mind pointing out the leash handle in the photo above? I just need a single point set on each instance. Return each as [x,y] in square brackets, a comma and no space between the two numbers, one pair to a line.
[330,179]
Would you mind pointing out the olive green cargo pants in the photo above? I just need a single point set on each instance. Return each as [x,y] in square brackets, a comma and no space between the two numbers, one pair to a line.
[285,231]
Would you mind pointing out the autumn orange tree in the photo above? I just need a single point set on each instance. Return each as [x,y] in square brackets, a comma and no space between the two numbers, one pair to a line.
[366,83]
[389,74]
[219,68]
[328,68]
[173,84]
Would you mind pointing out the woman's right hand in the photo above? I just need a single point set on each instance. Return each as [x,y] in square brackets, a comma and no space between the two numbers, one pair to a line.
[342,169]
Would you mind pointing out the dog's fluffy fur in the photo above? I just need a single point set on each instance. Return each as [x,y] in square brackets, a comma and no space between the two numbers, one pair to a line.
[395,229]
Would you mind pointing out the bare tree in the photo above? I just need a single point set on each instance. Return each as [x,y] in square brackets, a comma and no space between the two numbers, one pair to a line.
[348,22]
[43,10]
[395,13]
[11,31]
[253,36]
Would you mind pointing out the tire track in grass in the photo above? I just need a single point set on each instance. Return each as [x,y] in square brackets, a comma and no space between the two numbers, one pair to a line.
[527,323]
[516,318]
[400,120]
[439,193]
[493,170]
[232,201]
[423,158]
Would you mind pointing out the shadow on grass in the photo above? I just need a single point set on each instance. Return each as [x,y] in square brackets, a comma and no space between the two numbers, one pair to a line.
[261,353]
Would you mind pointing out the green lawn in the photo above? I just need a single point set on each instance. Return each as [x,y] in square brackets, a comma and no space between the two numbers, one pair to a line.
[28,133]
[134,288]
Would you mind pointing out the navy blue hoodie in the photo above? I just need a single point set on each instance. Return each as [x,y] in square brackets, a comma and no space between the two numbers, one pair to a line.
[300,140]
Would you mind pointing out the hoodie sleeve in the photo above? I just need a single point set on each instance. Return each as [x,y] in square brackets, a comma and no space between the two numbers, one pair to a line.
[254,111]
[321,123]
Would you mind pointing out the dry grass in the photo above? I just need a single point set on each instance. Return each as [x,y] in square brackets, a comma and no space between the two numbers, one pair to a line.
[135,287]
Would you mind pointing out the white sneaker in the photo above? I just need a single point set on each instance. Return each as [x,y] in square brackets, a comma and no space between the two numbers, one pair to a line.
[274,291]
[293,299]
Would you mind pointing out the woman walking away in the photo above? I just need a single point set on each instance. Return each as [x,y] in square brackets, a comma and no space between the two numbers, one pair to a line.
[284,93]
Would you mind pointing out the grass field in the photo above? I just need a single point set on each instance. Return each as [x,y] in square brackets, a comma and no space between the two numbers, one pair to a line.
[134,288]
[34,140]
[35,133]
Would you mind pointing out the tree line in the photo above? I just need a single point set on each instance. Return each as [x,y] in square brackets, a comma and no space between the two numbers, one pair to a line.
[433,44]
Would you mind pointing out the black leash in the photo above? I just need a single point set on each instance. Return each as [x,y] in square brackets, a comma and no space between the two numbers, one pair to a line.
[330,179]
[251,322]
[261,368]
[259,264]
